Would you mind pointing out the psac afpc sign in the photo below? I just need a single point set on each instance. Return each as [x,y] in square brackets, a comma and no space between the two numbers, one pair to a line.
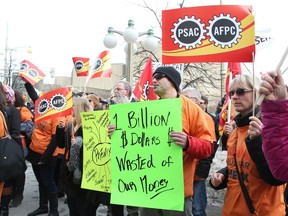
[224,33]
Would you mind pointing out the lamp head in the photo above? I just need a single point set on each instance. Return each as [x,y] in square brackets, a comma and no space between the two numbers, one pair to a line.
[130,34]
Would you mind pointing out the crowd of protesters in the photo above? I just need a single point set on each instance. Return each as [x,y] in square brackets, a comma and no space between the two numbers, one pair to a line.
[256,142]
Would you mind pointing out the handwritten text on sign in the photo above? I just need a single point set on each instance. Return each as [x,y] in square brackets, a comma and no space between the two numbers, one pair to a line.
[96,151]
[146,165]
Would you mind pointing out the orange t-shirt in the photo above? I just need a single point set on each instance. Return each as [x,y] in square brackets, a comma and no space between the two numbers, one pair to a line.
[3,125]
[2,134]
[194,123]
[1,187]
[42,135]
[268,200]
[26,115]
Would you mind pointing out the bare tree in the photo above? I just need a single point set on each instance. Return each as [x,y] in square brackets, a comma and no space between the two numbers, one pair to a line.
[203,76]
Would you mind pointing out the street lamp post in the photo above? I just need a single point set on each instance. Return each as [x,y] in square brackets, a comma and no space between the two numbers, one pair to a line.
[130,35]
[8,59]
[8,65]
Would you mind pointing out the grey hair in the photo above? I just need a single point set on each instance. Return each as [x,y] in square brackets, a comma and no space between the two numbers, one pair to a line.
[195,92]
[120,99]
[127,86]
[240,81]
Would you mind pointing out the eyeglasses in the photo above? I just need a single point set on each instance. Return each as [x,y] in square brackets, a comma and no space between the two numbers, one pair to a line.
[159,76]
[239,92]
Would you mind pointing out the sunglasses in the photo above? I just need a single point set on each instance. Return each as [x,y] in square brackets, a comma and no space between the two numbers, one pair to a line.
[159,76]
[239,92]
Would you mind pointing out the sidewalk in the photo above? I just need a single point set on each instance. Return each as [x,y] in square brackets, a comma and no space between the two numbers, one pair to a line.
[31,201]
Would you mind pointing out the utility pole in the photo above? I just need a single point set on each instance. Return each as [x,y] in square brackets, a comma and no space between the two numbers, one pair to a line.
[6,72]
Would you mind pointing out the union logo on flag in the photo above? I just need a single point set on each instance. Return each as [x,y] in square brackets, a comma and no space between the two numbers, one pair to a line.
[53,104]
[224,33]
[81,66]
[30,72]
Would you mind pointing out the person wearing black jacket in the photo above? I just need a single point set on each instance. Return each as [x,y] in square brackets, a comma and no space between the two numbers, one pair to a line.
[13,120]
[43,157]
[247,171]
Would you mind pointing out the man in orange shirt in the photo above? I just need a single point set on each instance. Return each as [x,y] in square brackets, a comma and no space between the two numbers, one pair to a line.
[196,137]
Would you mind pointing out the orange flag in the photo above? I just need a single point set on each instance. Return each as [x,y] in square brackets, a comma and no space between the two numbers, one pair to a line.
[53,104]
[81,65]
[101,66]
[30,72]
[216,33]
[143,90]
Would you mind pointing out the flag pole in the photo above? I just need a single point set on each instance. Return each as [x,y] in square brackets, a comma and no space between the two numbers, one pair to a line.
[277,69]
[229,100]
[253,76]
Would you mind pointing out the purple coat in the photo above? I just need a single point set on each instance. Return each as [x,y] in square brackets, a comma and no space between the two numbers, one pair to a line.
[275,136]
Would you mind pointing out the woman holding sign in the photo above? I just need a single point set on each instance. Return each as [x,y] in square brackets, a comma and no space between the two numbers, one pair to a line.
[250,184]
[71,138]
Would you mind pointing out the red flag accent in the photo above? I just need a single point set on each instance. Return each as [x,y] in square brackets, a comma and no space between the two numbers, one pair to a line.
[196,34]
[53,104]
[235,69]
[30,72]
[81,65]
[143,90]
[223,118]
[101,66]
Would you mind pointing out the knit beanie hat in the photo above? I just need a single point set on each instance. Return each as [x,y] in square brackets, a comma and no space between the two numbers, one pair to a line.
[9,93]
[173,75]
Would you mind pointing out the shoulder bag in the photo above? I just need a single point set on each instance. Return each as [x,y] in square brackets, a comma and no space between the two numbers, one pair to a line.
[12,161]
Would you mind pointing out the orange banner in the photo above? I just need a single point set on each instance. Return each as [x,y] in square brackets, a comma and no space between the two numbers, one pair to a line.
[224,33]
[81,65]
[101,66]
[30,72]
[53,104]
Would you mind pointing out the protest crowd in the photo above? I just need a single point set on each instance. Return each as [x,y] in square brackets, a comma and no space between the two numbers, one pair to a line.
[147,153]
[55,149]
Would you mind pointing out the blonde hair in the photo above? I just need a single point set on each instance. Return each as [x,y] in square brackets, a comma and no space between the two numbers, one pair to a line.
[95,100]
[240,81]
[80,104]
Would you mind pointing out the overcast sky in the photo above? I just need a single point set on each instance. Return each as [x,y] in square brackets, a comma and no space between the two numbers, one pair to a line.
[57,30]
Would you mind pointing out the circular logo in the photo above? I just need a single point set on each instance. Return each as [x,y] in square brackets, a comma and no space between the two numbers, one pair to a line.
[188,32]
[33,73]
[224,30]
[58,102]
[24,66]
[43,106]
[98,64]
[79,65]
